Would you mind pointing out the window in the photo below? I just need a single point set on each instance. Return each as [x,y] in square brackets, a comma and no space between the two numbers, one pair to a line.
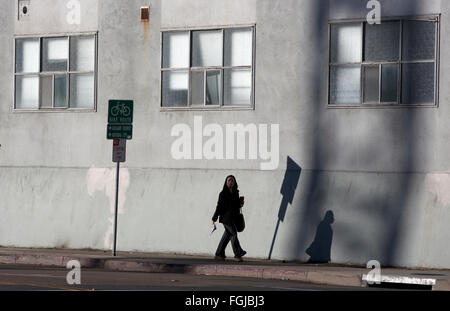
[207,68]
[394,63]
[55,73]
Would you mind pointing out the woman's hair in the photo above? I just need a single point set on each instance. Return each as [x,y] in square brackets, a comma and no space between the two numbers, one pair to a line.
[235,187]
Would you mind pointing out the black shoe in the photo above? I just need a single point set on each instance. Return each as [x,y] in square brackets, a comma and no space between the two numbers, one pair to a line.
[220,258]
[241,255]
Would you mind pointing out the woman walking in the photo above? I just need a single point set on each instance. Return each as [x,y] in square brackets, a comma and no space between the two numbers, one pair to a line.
[227,210]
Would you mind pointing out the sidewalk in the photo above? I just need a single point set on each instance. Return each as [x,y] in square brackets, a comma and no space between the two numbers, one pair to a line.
[327,274]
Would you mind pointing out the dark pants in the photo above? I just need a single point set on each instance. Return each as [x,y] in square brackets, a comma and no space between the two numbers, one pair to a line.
[230,234]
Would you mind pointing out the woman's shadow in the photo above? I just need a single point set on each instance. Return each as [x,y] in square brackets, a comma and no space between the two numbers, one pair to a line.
[320,249]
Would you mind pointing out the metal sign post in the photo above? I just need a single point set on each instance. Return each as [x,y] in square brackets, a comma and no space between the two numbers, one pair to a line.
[119,151]
[116,210]
[120,128]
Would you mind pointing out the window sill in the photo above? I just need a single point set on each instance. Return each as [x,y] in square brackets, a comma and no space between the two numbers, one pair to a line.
[230,108]
[55,110]
[381,106]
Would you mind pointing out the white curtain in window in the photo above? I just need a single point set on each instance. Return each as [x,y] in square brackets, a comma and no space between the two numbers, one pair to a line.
[178,80]
[238,47]
[207,48]
[58,49]
[346,43]
[27,55]
[27,92]
[175,88]
[55,54]
[176,50]
[82,91]
[345,85]
[82,53]
[238,87]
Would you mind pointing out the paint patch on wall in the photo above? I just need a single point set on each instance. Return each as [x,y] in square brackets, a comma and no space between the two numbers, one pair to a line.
[104,180]
[438,185]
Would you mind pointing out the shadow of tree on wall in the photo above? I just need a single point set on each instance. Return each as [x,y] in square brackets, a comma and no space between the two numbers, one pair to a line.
[387,207]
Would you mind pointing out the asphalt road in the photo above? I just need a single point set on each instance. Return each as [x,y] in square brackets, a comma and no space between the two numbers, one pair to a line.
[36,278]
[31,286]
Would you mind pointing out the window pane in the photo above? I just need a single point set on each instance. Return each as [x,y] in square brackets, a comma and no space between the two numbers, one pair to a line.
[238,47]
[237,87]
[382,41]
[27,92]
[346,43]
[213,87]
[207,48]
[197,87]
[46,85]
[176,50]
[418,83]
[389,82]
[61,91]
[175,88]
[55,54]
[82,53]
[82,91]
[27,55]
[345,85]
[371,84]
[418,40]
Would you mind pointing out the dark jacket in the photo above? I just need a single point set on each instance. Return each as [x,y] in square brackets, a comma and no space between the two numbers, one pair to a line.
[228,207]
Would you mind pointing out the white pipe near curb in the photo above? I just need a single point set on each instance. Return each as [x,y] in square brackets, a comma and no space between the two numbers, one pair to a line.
[370,278]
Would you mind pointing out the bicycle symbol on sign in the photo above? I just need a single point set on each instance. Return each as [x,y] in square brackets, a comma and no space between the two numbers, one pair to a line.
[121,109]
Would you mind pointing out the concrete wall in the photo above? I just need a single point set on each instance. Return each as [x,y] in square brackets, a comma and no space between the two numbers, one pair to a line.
[383,172]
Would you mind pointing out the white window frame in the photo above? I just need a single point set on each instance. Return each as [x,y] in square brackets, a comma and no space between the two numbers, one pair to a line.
[431,18]
[222,69]
[68,72]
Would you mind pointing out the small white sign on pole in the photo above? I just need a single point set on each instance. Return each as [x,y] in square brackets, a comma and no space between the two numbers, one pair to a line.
[119,150]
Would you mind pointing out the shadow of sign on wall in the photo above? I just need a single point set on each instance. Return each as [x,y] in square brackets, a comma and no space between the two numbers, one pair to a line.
[290,182]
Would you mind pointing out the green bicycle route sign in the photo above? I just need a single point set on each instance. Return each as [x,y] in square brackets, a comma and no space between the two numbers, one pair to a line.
[120,119]
[120,112]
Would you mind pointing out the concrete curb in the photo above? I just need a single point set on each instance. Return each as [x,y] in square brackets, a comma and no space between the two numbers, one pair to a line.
[335,278]
[126,265]
[316,277]
[49,260]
